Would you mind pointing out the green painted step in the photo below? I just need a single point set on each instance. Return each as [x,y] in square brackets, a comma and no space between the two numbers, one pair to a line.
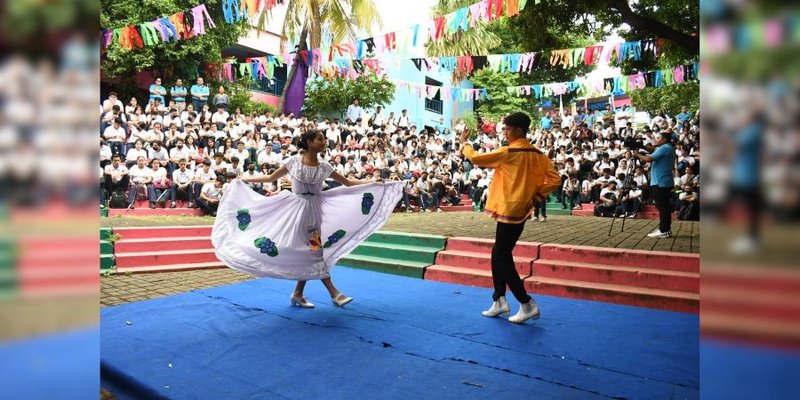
[409,239]
[400,252]
[378,264]
[106,247]
[9,282]
[105,233]
[103,212]
[107,261]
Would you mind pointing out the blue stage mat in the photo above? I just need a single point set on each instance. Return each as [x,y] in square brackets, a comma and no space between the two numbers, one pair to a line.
[401,338]
[59,365]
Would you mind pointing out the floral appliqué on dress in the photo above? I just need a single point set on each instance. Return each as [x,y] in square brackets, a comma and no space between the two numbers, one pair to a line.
[332,239]
[367,202]
[267,246]
[243,216]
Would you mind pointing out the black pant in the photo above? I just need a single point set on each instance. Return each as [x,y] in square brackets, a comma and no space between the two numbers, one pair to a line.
[503,269]
[662,197]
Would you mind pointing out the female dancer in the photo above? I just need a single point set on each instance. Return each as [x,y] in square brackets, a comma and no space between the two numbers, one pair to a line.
[300,235]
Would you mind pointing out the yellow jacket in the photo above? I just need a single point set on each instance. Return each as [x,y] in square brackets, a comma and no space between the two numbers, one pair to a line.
[523,176]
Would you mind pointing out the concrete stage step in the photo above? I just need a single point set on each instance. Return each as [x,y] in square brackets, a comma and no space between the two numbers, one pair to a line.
[646,212]
[628,276]
[460,275]
[384,265]
[479,261]
[754,304]
[618,294]
[163,244]
[171,267]
[522,249]
[396,251]
[163,231]
[135,259]
[659,260]
[408,239]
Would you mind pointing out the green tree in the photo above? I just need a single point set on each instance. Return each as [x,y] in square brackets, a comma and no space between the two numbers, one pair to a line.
[668,98]
[341,19]
[240,94]
[331,97]
[474,41]
[500,101]
[182,59]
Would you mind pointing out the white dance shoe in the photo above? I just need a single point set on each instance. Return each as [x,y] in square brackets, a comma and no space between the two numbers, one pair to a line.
[301,302]
[527,311]
[498,307]
[341,300]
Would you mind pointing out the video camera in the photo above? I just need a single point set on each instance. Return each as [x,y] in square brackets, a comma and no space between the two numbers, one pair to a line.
[633,143]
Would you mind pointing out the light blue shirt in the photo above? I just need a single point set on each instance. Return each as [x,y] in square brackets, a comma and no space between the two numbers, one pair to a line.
[663,161]
[159,89]
[546,122]
[354,112]
[199,90]
[178,94]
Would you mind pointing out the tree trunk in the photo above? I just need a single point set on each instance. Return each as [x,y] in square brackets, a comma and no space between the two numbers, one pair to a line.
[689,42]
[293,72]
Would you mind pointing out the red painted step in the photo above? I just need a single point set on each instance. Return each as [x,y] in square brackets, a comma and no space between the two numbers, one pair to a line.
[162,244]
[686,262]
[165,257]
[461,276]
[171,267]
[618,294]
[456,208]
[628,276]
[147,212]
[479,261]
[522,249]
[163,231]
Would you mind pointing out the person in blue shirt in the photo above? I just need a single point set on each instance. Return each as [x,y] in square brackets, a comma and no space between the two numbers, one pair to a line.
[546,122]
[178,93]
[157,92]
[662,159]
[590,118]
[199,95]
[683,116]
[354,111]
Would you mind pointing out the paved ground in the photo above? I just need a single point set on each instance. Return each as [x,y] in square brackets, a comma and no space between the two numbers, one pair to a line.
[589,231]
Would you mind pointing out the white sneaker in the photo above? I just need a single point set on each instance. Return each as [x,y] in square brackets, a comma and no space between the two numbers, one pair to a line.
[743,245]
[529,310]
[657,234]
[498,307]
[542,219]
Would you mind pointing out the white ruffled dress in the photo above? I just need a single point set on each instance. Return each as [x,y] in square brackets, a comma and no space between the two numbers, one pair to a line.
[302,234]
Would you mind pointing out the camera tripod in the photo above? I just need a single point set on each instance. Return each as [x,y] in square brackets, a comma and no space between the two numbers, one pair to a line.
[626,189]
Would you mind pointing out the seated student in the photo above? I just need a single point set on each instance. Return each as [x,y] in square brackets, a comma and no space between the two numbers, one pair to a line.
[632,201]
[608,201]
[210,195]
[181,183]
[689,201]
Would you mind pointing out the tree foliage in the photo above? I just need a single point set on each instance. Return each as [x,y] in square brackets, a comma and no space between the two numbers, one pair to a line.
[170,60]
[325,97]
[500,101]
[668,98]
[475,41]
[240,95]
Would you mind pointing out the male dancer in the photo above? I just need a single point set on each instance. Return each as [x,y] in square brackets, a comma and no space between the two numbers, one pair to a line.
[523,177]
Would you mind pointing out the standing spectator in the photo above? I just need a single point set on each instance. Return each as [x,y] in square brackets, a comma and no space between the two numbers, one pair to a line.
[178,94]
[661,181]
[199,94]
[403,121]
[546,122]
[157,92]
[221,100]
[354,111]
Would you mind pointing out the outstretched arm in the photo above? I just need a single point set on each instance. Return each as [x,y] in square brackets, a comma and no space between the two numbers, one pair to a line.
[282,171]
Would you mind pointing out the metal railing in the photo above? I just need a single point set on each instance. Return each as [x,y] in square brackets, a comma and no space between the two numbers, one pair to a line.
[274,86]
[434,105]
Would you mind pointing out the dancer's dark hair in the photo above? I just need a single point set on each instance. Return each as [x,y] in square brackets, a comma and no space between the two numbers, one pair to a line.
[308,136]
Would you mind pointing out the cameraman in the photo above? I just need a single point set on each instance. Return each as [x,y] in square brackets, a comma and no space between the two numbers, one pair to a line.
[662,159]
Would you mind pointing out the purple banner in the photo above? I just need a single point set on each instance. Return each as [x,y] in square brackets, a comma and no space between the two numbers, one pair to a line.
[296,94]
